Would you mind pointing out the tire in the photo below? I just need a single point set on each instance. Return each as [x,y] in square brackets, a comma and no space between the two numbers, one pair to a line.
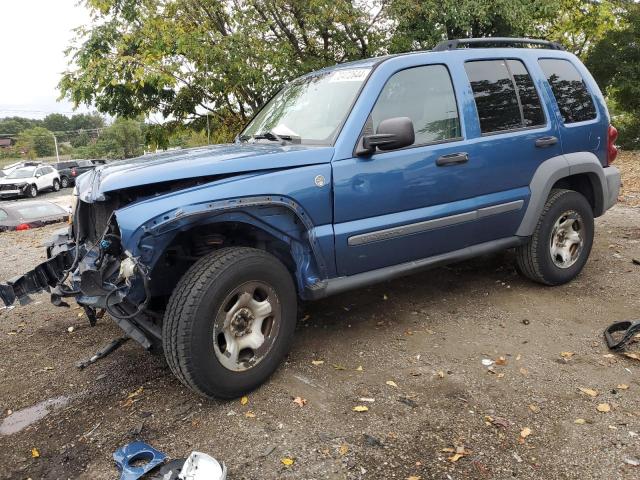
[32,191]
[558,261]
[56,185]
[64,182]
[194,349]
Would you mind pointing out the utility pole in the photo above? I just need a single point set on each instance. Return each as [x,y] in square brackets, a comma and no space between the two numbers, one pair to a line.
[55,140]
[208,134]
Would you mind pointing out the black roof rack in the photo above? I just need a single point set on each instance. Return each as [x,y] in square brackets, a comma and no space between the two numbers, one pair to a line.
[492,41]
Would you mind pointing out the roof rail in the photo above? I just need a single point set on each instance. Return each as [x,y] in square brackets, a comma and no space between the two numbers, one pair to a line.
[506,41]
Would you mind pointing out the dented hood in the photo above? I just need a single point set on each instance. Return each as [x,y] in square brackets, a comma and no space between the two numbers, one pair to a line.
[194,163]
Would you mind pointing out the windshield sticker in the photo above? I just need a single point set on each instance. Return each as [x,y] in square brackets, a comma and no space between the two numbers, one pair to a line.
[352,75]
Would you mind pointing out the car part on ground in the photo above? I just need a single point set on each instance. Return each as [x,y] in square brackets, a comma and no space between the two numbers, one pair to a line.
[630,330]
[136,459]
[25,215]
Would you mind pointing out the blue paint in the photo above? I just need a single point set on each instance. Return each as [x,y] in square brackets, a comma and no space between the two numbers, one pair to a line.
[359,194]
[137,451]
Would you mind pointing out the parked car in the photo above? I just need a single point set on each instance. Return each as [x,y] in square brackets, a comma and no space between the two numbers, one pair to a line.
[71,169]
[351,175]
[30,214]
[28,181]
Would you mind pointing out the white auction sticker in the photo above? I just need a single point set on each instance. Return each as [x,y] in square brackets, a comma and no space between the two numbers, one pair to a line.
[350,75]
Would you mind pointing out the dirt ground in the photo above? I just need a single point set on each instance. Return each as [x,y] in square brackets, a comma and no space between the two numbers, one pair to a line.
[414,346]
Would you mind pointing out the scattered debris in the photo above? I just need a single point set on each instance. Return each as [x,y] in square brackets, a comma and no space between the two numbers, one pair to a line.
[287,462]
[360,408]
[588,391]
[317,362]
[250,414]
[300,401]
[343,449]
[70,329]
[200,466]
[103,352]
[367,399]
[35,453]
[137,458]
[339,367]
[534,408]
[579,421]
[567,355]
[371,441]
[487,362]
[391,383]
[635,261]
[634,462]
[603,407]
[244,400]
[623,386]
[408,401]
[501,361]
[524,433]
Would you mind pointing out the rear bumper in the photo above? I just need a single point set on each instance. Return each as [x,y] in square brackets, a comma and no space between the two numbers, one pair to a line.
[613,183]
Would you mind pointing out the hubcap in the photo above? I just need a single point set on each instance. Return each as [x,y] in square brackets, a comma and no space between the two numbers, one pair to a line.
[246,326]
[567,239]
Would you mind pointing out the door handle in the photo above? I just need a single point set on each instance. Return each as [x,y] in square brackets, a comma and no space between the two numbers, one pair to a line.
[452,159]
[543,142]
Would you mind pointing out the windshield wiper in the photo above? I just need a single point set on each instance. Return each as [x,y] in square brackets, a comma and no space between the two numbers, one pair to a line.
[274,137]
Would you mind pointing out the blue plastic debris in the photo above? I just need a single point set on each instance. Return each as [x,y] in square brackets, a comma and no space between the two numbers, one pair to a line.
[125,458]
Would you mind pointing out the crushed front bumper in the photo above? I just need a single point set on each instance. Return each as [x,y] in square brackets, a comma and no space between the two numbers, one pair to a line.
[61,253]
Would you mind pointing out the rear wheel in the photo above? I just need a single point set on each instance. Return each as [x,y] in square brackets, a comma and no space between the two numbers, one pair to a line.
[64,182]
[230,321]
[561,242]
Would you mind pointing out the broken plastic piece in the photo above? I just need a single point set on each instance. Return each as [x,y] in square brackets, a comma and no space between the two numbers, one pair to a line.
[103,352]
[629,328]
[134,453]
[200,466]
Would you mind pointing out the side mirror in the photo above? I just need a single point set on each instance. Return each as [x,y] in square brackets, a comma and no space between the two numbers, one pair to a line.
[392,133]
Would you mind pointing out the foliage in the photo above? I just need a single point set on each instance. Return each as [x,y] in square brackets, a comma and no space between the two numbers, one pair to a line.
[36,142]
[615,64]
[123,139]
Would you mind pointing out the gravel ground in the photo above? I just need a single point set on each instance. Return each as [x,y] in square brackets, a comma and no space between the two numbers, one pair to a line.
[414,346]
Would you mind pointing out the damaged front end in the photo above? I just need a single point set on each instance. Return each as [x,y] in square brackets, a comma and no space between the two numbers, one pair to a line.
[88,263]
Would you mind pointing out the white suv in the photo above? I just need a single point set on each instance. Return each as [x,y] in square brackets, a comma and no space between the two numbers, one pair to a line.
[28,181]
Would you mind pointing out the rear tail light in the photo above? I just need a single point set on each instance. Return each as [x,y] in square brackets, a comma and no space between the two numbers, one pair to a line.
[74,172]
[23,226]
[612,150]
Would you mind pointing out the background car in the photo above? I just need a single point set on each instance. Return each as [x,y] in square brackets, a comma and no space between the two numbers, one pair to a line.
[71,169]
[30,214]
[28,181]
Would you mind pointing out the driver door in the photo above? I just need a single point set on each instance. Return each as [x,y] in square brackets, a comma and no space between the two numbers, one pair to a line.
[41,179]
[396,206]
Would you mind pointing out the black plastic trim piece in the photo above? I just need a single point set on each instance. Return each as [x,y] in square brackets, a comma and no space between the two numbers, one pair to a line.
[507,41]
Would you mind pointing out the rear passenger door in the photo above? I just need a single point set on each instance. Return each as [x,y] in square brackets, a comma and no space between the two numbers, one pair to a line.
[576,108]
[512,133]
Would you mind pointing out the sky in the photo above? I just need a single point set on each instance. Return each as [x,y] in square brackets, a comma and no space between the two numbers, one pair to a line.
[34,35]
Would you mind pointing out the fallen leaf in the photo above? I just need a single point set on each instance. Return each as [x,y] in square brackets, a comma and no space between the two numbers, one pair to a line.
[608,355]
[579,421]
[588,391]
[339,367]
[448,450]
[534,408]
[635,356]
[525,432]
[317,362]
[35,453]
[244,400]
[359,369]
[360,408]
[623,386]
[250,414]
[136,393]
[455,458]
[518,357]
[287,462]
[343,449]
[524,371]
[501,361]
[391,383]
[567,354]
[603,407]
[300,401]
[441,374]
[414,477]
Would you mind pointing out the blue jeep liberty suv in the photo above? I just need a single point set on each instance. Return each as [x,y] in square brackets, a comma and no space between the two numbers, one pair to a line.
[350,175]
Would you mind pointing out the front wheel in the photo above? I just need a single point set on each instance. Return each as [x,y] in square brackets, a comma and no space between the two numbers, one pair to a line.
[561,242]
[56,185]
[31,191]
[230,321]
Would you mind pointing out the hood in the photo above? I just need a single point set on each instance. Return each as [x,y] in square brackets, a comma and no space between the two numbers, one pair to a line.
[194,163]
[14,181]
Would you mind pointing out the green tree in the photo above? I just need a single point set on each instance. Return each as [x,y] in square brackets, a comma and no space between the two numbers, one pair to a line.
[36,142]
[615,63]
[86,121]
[185,58]
[56,122]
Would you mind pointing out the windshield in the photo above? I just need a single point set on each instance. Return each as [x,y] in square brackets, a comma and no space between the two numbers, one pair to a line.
[22,173]
[311,108]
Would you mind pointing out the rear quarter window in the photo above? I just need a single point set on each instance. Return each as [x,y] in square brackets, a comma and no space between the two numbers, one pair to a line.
[569,89]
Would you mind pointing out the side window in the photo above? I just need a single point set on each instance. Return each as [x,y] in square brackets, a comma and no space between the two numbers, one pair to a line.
[505,95]
[3,215]
[426,96]
[38,172]
[572,95]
